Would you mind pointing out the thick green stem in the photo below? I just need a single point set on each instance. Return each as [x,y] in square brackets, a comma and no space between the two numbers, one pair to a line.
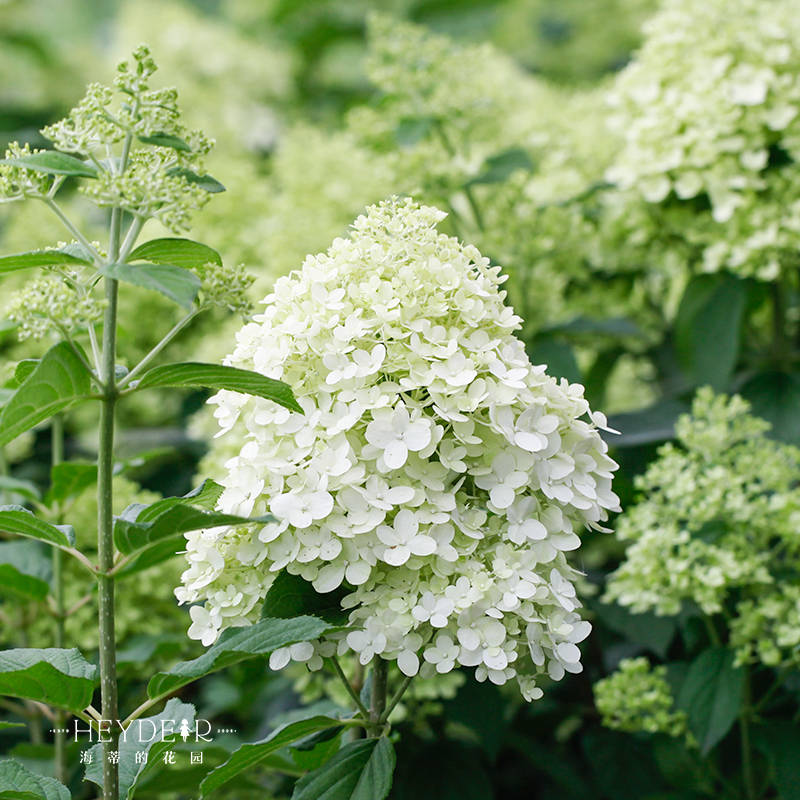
[380,678]
[105,535]
[60,718]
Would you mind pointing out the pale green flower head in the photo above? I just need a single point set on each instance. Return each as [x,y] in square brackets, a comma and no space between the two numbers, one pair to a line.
[716,526]
[637,698]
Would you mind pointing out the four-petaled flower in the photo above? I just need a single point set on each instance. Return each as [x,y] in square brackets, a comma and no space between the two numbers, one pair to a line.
[398,434]
[404,540]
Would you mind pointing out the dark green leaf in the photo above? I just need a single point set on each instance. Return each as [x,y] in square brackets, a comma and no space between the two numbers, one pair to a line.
[558,356]
[711,695]
[413,129]
[39,258]
[61,678]
[290,596]
[708,328]
[238,644]
[26,489]
[623,766]
[70,480]
[481,708]
[53,385]
[180,252]
[361,770]
[654,633]
[25,571]
[316,749]
[53,164]
[616,326]
[206,494]
[166,140]
[212,376]
[653,424]
[178,284]
[6,725]
[16,519]
[775,397]
[780,743]
[211,185]
[146,735]
[501,167]
[25,369]
[250,754]
[19,783]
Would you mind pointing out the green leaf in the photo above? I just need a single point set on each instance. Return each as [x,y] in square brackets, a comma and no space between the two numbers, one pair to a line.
[6,725]
[211,185]
[653,424]
[250,754]
[131,536]
[178,284]
[25,571]
[501,167]
[780,743]
[19,783]
[69,480]
[25,369]
[39,258]
[53,385]
[653,632]
[361,770]
[558,356]
[290,596]
[316,749]
[16,519]
[238,644]
[708,328]
[53,163]
[138,740]
[166,140]
[775,396]
[61,678]
[181,252]
[712,695]
[28,490]
[212,376]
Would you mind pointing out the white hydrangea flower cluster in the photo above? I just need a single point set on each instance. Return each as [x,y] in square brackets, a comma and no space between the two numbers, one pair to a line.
[434,472]
[715,120]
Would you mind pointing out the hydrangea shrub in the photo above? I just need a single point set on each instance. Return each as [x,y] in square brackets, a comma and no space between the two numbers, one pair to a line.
[435,473]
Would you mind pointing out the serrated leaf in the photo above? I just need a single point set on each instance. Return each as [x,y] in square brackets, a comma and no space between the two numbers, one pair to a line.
[359,771]
[712,695]
[136,741]
[238,644]
[25,369]
[61,678]
[500,167]
[178,284]
[40,258]
[316,749]
[26,489]
[290,596]
[250,754]
[25,571]
[213,376]
[16,519]
[70,479]
[181,252]
[132,536]
[206,494]
[211,185]
[19,783]
[53,385]
[166,140]
[53,163]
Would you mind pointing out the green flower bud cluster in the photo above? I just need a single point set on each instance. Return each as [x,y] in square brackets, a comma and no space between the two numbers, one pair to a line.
[18,182]
[717,526]
[637,698]
[226,287]
[59,301]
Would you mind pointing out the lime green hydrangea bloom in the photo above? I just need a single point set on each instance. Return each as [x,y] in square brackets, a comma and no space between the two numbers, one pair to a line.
[637,698]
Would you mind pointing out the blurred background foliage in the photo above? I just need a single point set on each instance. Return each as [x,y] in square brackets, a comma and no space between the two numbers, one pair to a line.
[644,203]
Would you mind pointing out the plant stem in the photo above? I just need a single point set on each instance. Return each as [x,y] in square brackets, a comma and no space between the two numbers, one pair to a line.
[105,534]
[74,231]
[396,699]
[747,753]
[350,690]
[60,719]
[380,676]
